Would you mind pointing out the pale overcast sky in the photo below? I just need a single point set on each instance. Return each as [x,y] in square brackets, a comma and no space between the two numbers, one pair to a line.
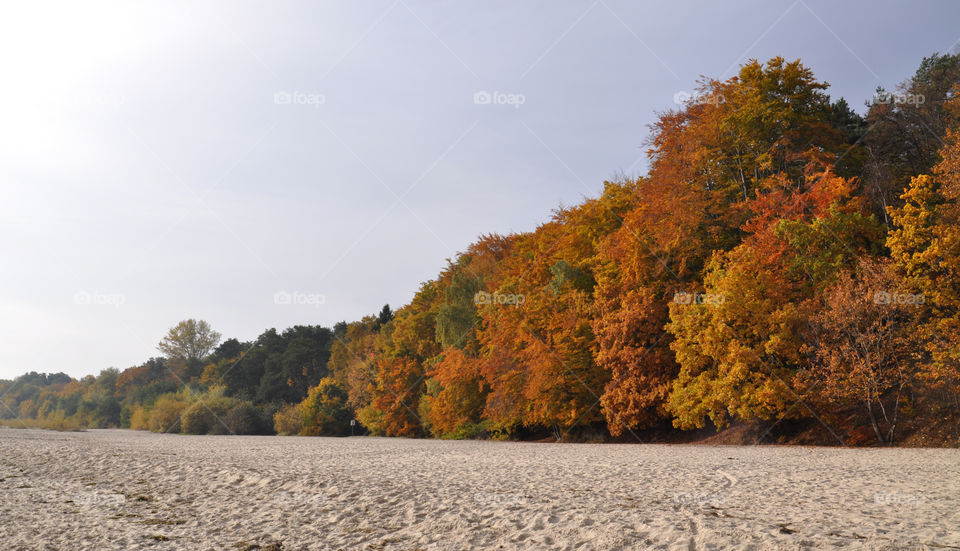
[167,160]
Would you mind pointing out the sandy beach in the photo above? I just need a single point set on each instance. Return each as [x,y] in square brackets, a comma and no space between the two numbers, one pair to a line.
[118,489]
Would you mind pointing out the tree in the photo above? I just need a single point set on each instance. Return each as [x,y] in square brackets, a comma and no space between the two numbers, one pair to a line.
[861,353]
[457,314]
[739,350]
[630,343]
[925,245]
[190,340]
[536,341]
[905,130]
[305,357]
[324,411]
[452,405]
[385,315]
[229,349]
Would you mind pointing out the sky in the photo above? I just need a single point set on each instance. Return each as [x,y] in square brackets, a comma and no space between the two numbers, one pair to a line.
[269,164]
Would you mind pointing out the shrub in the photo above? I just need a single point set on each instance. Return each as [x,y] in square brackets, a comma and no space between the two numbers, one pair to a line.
[218,406]
[468,431]
[139,419]
[207,414]
[197,419]
[372,419]
[287,421]
[28,410]
[56,420]
[243,418]
[324,410]
[166,412]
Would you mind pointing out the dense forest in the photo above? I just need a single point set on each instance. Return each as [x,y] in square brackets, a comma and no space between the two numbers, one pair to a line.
[786,261]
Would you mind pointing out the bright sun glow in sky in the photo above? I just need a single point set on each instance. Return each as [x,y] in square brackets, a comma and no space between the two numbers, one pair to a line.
[166,160]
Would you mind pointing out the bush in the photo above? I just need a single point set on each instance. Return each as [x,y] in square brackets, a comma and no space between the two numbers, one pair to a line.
[166,412]
[139,419]
[265,413]
[243,418]
[287,421]
[207,415]
[197,419]
[469,431]
[28,410]
[57,421]
[324,410]
[372,419]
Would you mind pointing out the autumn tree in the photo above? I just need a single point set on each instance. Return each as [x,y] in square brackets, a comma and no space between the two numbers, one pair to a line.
[536,338]
[324,411]
[455,392]
[861,348]
[454,397]
[925,245]
[905,130]
[403,346]
[352,360]
[190,340]
[738,350]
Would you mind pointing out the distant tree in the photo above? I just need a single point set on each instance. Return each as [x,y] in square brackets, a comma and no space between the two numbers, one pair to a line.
[228,350]
[457,314]
[304,360]
[190,340]
[324,412]
[340,329]
[384,317]
[906,129]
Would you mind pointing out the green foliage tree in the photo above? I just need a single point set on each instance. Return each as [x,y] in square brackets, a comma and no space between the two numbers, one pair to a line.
[190,340]
[324,411]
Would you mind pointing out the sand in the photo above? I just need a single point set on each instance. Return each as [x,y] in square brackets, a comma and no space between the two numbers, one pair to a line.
[115,489]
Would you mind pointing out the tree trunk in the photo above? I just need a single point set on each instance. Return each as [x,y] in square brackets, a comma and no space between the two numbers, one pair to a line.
[896,414]
[873,422]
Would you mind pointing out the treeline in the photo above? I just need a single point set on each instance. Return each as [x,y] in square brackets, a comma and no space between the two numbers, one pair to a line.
[784,259]
[200,385]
